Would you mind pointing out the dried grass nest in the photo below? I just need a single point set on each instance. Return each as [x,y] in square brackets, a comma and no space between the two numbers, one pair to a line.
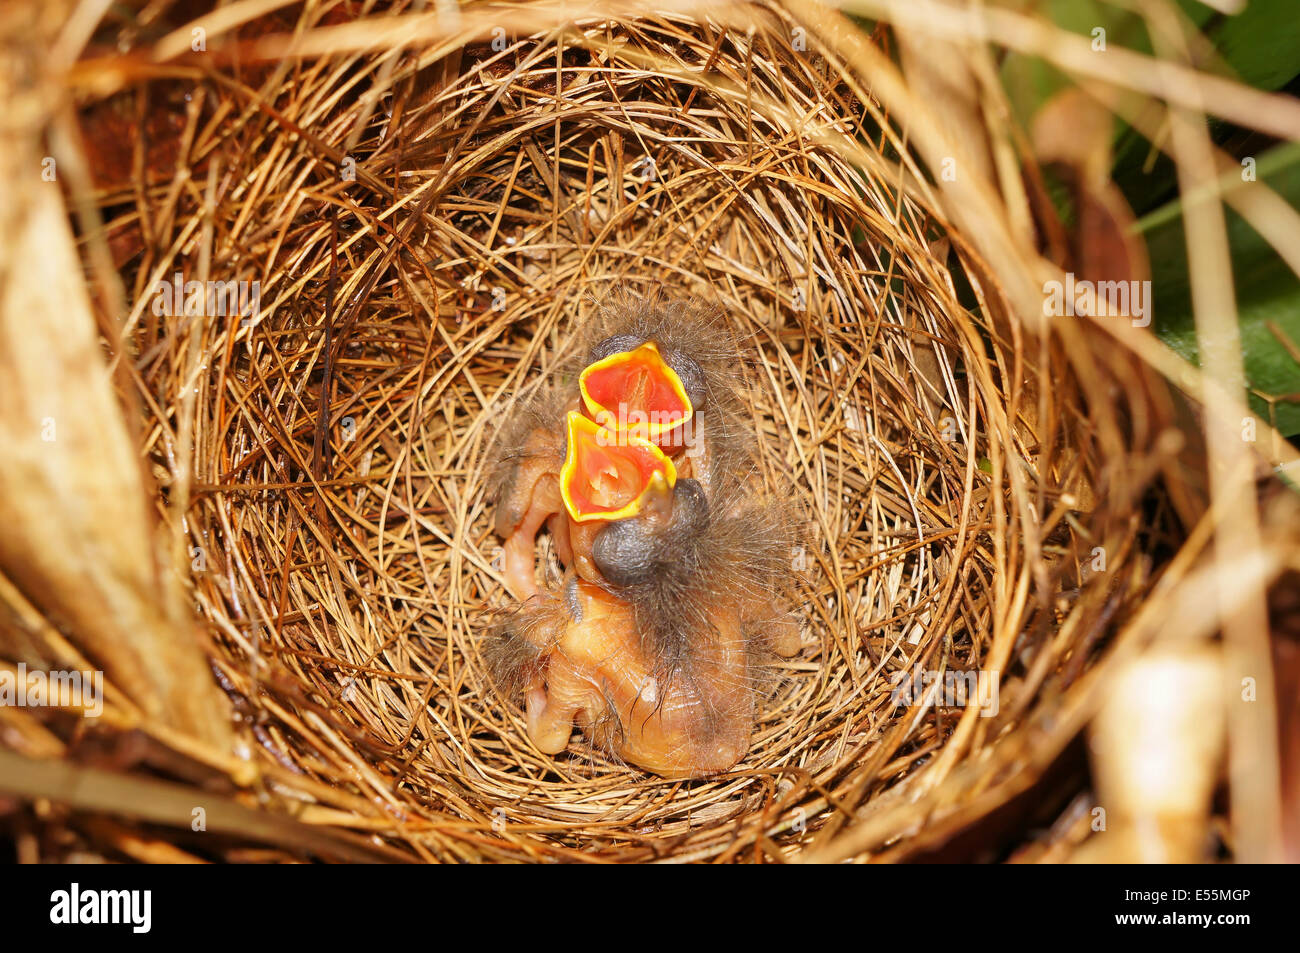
[430,228]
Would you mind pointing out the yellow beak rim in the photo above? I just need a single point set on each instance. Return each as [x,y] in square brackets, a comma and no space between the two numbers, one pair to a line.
[598,396]
[593,448]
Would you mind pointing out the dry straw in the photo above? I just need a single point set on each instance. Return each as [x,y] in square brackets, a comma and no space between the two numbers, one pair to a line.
[431,203]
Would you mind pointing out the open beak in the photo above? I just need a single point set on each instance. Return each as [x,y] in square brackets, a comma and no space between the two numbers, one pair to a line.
[637,391]
[611,475]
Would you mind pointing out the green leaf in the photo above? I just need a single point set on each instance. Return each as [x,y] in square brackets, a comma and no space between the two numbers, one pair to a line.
[1258,46]
[1268,292]
[1030,81]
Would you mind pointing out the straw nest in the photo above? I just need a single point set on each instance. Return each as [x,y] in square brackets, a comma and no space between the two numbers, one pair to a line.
[430,228]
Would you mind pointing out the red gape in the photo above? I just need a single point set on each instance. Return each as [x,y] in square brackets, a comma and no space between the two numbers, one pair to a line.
[609,474]
[637,393]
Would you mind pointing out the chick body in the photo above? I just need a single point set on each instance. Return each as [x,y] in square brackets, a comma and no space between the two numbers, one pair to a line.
[598,676]
[655,646]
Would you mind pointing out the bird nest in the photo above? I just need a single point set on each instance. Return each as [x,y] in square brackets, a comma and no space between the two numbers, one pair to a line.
[429,230]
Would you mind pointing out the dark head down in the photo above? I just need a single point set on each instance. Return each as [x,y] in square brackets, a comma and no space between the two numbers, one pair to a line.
[632,552]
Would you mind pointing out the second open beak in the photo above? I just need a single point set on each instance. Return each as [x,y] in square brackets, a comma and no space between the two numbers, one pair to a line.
[610,474]
[638,392]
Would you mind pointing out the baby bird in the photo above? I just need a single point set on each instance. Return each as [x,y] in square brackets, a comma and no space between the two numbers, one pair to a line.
[526,484]
[624,378]
[695,344]
[675,560]
[573,483]
[579,660]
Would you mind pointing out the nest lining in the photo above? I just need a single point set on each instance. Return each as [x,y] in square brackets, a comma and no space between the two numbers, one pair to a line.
[347,556]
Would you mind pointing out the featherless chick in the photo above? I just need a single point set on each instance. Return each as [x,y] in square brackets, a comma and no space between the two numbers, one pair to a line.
[676,561]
